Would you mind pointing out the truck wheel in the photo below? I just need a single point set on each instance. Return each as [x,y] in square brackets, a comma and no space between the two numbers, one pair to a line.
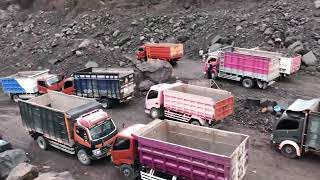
[195,122]
[155,113]
[247,83]
[15,98]
[106,103]
[83,157]
[289,151]
[42,143]
[127,171]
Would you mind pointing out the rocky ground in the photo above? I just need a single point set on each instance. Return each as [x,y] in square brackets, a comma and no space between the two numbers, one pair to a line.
[67,35]
[109,35]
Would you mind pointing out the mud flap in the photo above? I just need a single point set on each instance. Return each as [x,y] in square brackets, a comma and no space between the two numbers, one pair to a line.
[262,84]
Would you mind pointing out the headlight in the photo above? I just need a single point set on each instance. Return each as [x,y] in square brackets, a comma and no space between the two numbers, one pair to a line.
[96,152]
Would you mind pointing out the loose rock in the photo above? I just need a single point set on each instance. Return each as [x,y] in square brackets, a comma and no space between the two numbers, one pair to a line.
[91,64]
[10,159]
[309,59]
[145,85]
[23,171]
[55,176]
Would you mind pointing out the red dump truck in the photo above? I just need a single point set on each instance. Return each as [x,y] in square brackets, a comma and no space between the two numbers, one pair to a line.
[251,67]
[181,150]
[162,51]
[71,124]
[189,103]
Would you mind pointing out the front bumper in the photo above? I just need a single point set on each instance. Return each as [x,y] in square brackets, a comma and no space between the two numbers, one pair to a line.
[147,111]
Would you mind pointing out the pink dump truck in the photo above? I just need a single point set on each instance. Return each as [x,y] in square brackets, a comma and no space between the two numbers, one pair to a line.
[250,66]
[191,153]
[189,103]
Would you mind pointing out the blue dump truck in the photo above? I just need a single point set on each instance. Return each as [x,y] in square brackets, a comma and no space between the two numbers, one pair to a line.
[106,85]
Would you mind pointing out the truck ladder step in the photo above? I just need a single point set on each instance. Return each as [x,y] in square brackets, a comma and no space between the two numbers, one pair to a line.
[177,116]
[62,147]
[229,76]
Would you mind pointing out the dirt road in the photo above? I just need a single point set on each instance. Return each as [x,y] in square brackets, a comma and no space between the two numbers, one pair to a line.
[265,162]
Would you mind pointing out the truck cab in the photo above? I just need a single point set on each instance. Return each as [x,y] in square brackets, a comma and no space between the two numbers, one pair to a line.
[94,132]
[154,99]
[68,86]
[141,53]
[50,82]
[124,152]
[298,129]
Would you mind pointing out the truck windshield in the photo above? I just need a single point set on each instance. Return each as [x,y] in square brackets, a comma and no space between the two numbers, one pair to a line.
[54,80]
[102,130]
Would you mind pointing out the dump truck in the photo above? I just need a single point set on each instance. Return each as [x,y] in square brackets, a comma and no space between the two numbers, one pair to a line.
[106,85]
[289,64]
[181,150]
[189,103]
[69,123]
[161,51]
[28,84]
[251,67]
[297,131]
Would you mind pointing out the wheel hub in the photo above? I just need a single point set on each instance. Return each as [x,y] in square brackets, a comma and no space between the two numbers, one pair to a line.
[288,150]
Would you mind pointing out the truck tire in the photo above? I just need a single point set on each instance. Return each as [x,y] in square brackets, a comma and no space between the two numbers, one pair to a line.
[42,142]
[127,171]
[289,151]
[155,113]
[106,103]
[195,122]
[83,157]
[248,83]
[15,97]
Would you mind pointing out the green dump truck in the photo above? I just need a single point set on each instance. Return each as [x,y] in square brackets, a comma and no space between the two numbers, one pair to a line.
[298,130]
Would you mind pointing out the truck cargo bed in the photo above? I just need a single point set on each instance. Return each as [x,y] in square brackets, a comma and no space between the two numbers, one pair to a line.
[206,103]
[115,83]
[188,151]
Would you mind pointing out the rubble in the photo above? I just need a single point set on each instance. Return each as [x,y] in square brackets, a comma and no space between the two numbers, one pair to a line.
[253,117]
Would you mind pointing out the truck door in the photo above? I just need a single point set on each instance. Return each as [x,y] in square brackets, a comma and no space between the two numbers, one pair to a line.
[313,131]
[42,87]
[288,129]
[122,151]
[68,87]
[152,99]
[81,137]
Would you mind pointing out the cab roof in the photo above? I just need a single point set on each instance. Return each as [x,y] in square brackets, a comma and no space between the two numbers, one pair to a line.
[93,118]
[127,132]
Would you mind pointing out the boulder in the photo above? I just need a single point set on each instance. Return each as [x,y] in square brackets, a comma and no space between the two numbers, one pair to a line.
[23,171]
[145,85]
[91,64]
[317,4]
[183,38]
[296,47]
[55,176]
[311,69]
[10,159]
[116,33]
[156,71]
[269,31]
[85,43]
[124,40]
[215,47]
[309,59]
